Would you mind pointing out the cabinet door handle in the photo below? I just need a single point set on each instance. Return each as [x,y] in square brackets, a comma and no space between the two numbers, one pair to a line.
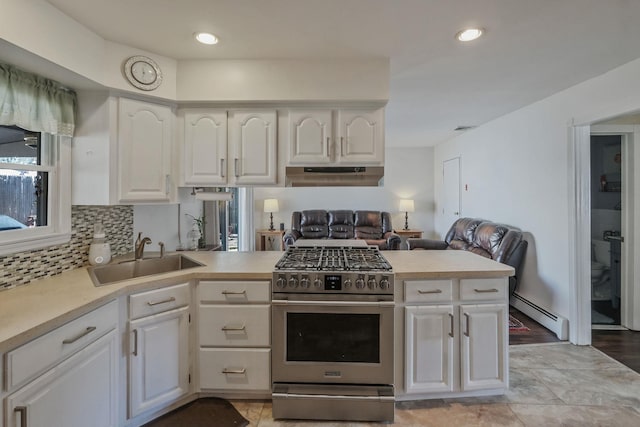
[222,168]
[234,292]
[466,332]
[135,342]
[167,183]
[80,335]
[342,145]
[235,167]
[234,371]
[484,291]
[230,328]
[23,415]
[435,291]
[164,301]
[451,326]
[328,146]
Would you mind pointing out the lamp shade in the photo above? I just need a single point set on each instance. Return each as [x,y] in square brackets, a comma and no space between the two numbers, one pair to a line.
[406,205]
[271,205]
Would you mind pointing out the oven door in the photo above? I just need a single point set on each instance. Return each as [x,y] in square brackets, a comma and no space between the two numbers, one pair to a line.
[332,341]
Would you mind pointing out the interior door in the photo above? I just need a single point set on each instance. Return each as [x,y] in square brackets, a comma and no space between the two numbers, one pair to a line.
[451,190]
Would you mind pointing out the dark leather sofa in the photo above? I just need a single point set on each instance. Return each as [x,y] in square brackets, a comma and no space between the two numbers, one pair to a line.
[374,227]
[499,242]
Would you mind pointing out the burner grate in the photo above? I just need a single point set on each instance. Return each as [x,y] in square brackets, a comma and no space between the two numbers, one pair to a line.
[333,259]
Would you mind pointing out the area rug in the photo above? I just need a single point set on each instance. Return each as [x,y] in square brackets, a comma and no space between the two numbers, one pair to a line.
[204,412]
[516,326]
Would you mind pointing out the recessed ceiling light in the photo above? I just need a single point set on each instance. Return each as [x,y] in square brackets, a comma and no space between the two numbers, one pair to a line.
[469,34]
[206,38]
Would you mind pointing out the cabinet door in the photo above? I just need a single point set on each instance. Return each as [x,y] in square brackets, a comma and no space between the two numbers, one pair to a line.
[361,136]
[205,147]
[79,392]
[158,360]
[310,137]
[430,339]
[144,151]
[484,346]
[252,138]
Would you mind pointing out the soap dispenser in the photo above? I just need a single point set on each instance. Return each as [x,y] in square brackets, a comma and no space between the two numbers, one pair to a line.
[100,250]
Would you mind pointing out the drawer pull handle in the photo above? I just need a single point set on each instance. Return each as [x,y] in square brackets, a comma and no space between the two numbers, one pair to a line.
[230,328]
[483,291]
[234,371]
[23,415]
[164,301]
[436,291]
[222,168]
[135,342]
[234,292]
[80,335]
[451,319]
[466,332]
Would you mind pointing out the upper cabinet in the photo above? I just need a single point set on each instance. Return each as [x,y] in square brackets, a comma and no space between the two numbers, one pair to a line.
[344,137]
[144,151]
[229,148]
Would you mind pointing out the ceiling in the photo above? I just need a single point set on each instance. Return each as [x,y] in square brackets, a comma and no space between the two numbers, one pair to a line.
[531,49]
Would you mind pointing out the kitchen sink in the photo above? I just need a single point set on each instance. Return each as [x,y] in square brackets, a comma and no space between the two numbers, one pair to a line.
[130,269]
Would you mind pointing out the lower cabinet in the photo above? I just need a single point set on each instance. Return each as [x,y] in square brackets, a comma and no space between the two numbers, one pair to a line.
[451,346]
[234,336]
[158,350]
[79,392]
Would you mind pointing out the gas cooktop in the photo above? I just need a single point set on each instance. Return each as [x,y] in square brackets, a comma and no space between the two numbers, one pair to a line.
[319,258]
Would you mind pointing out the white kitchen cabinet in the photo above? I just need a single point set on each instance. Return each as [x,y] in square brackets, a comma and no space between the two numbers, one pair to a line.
[252,147]
[204,146]
[234,321]
[343,137]
[158,352]
[144,151]
[66,377]
[456,336]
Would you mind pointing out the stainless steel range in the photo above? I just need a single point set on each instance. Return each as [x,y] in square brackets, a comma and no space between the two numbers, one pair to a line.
[332,331]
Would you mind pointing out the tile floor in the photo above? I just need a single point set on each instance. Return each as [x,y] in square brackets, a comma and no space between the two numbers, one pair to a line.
[556,384]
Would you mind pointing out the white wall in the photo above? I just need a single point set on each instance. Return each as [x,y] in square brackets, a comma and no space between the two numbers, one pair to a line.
[408,175]
[517,170]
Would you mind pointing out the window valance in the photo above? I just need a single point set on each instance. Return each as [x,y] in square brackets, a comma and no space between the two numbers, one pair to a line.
[35,103]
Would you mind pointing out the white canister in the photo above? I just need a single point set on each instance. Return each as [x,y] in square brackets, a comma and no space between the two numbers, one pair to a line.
[100,249]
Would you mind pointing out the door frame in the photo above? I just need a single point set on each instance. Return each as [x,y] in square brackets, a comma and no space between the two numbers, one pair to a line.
[580,228]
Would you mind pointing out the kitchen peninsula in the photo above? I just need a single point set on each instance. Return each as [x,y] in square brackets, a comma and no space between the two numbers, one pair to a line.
[458,296]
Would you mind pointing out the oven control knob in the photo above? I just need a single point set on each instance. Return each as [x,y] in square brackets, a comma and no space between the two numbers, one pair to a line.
[359,283]
[281,282]
[384,283]
[371,283]
[293,282]
[304,282]
[347,284]
[317,283]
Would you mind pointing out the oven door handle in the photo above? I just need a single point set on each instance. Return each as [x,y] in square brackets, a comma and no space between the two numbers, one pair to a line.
[334,303]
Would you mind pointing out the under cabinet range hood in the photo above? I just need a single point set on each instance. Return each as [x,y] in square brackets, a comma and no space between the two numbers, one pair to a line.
[334,176]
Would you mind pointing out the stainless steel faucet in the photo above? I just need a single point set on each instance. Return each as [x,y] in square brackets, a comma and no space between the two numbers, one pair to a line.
[140,242]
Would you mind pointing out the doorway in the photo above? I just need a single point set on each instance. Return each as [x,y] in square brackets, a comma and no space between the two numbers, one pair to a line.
[451,197]
[606,226]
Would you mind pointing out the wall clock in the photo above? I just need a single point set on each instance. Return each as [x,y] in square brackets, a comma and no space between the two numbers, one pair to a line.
[143,72]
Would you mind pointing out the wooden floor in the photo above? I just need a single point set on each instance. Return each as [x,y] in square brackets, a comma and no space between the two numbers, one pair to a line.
[623,346]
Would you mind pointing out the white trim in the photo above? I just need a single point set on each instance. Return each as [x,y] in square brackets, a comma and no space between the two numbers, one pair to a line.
[579,228]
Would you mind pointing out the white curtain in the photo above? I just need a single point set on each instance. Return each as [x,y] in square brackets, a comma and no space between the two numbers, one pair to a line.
[35,103]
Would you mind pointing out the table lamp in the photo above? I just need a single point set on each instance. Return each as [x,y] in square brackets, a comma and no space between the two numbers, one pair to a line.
[271,206]
[406,206]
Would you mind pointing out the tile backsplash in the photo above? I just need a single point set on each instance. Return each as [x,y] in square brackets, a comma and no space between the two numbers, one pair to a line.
[23,267]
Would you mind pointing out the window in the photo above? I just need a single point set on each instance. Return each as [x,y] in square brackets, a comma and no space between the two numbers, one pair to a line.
[34,189]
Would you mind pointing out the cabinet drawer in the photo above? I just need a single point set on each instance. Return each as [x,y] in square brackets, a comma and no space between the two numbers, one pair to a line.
[158,300]
[235,326]
[31,359]
[483,289]
[428,290]
[235,292]
[235,369]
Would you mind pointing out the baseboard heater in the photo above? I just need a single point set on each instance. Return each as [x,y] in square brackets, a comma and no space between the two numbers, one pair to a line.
[553,322]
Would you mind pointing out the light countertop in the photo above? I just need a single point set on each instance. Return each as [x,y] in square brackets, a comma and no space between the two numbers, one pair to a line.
[28,311]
